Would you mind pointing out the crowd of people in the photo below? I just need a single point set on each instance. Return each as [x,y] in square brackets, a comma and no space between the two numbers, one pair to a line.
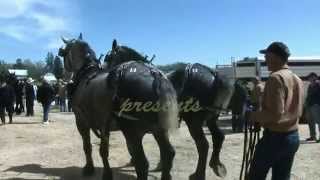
[19,97]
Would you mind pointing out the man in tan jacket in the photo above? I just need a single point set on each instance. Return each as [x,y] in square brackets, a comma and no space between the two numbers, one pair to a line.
[257,93]
[279,115]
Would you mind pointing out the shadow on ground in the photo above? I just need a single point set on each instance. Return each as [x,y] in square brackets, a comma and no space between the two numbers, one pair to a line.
[66,173]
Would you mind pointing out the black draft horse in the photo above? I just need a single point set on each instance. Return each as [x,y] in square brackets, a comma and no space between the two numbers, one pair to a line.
[100,97]
[211,91]
[7,96]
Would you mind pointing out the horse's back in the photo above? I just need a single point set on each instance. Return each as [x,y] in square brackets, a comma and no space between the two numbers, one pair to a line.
[137,81]
[140,92]
[199,83]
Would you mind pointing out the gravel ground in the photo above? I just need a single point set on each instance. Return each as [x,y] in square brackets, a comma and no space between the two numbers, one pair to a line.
[29,150]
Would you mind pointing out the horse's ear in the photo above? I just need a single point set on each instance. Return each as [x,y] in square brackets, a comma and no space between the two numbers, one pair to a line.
[80,36]
[64,40]
[114,44]
[101,55]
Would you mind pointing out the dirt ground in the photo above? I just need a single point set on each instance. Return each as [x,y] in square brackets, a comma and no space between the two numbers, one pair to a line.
[29,150]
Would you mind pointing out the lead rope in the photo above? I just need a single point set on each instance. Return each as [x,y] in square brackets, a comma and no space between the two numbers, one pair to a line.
[249,144]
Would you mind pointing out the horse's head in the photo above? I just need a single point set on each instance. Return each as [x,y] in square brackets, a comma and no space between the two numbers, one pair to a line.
[76,54]
[122,54]
[11,79]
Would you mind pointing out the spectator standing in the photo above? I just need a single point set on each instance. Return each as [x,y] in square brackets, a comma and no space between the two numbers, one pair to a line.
[30,96]
[313,106]
[45,95]
[62,95]
[69,88]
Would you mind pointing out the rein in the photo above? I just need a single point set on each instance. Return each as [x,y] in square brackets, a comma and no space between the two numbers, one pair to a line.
[214,108]
[251,138]
[87,72]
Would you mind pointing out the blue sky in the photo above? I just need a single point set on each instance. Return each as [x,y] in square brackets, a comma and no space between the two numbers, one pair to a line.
[205,31]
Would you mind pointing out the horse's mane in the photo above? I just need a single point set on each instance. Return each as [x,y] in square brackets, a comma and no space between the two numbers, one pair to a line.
[133,54]
[92,55]
[177,77]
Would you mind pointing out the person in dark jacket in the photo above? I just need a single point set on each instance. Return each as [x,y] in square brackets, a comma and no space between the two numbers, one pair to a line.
[30,96]
[19,97]
[69,88]
[313,106]
[7,98]
[45,95]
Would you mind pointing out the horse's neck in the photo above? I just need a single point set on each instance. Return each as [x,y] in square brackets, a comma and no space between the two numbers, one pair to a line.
[87,71]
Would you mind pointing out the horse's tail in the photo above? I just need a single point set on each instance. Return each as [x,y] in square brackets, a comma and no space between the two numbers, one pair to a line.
[169,110]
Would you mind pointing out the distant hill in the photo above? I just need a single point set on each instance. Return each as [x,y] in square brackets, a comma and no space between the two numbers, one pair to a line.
[171,67]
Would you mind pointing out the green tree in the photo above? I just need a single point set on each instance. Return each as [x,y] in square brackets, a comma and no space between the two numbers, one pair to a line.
[49,62]
[19,64]
[3,70]
[58,68]
[171,67]
[35,70]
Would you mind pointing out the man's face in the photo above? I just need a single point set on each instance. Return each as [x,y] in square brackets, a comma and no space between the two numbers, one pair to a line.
[272,60]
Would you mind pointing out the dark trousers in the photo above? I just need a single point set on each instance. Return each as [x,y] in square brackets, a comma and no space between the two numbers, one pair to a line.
[69,105]
[19,105]
[62,103]
[276,151]
[46,109]
[29,106]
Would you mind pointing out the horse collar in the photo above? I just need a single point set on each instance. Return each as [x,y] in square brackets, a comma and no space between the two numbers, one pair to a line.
[87,72]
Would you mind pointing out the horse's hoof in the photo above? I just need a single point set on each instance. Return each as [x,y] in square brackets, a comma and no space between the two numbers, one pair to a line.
[107,175]
[219,169]
[196,177]
[166,177]
[88,170]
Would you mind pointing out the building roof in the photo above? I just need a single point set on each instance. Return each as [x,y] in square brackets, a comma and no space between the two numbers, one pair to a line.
[19,72]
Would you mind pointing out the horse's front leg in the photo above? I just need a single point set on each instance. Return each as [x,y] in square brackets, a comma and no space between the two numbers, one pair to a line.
[104,153]
[84,131]
[217,138]
[196,131]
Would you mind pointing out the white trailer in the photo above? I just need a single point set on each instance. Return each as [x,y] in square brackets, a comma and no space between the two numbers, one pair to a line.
[252,67]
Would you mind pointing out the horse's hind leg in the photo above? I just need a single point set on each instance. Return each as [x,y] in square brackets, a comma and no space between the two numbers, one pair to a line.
[217,138]
[104,153]
[167,153]
[84,131]
[135,148]
[196,131]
